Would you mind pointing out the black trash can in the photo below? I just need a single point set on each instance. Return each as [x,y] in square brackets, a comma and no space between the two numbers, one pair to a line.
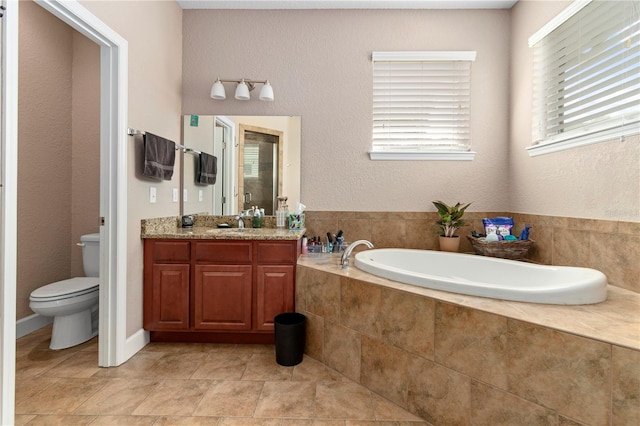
[290,338]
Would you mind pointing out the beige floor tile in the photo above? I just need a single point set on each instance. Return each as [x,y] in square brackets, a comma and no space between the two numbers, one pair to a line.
[80,364]
[63,398]
[311,422]
[387,410]
[343,401]
[176,365]
[248,421]
[118,397]
[222,366]
[28,388]
[186,421]
[23,419]
[287,399]
[173,398]
[61,420]
[311,370]
[265,367]
[169,347]
[124,421]
[140,365]
[230,398]
[35,362]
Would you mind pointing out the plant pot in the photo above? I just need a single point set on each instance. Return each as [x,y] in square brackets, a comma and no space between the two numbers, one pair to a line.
[449,243]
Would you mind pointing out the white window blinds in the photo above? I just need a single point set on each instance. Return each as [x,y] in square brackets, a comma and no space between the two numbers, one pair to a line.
[421,101]
[587,74]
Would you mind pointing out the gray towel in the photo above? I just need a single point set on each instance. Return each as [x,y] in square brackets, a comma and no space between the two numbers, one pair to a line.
[207,169]
[159,157]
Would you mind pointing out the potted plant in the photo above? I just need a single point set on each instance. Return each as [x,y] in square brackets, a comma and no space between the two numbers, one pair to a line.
[449,222]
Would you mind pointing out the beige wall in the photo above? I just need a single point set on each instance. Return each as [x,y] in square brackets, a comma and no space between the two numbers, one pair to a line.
[58,146]
[153,30]
[599,181]
[319,63]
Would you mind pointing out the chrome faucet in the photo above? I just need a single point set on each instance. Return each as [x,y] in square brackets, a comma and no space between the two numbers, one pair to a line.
[344,260]
[240,221]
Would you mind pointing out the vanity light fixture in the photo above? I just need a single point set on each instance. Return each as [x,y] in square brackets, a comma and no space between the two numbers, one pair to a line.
[244,86]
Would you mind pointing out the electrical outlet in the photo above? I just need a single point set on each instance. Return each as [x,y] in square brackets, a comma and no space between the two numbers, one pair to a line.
[184,195]
[200,195]
[153,194]
[175,195]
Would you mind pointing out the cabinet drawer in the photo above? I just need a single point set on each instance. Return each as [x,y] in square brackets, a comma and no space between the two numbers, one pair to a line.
[227,252]
[276,252]
[171,251]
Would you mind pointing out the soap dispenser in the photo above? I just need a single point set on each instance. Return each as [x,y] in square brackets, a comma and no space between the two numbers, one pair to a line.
[256,221]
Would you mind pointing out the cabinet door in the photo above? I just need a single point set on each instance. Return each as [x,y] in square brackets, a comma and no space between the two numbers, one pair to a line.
[222,299]
[167,305]
[274,293]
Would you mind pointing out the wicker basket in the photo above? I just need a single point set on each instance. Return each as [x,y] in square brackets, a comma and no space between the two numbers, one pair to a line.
[503,249]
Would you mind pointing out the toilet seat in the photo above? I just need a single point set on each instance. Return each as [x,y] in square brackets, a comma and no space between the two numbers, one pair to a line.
[65,289]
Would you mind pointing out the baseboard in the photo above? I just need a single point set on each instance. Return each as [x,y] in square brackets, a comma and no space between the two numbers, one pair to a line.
[134,343]
[30,324]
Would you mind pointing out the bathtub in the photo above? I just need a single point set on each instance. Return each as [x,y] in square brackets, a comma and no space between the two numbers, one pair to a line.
[486,276]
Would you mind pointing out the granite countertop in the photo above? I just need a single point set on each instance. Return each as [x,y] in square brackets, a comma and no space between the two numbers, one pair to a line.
[206,229]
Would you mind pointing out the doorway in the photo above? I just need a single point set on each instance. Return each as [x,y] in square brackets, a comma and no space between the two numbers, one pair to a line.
[113,181]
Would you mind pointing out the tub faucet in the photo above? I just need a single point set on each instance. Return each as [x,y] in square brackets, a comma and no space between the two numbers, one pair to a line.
[344,260]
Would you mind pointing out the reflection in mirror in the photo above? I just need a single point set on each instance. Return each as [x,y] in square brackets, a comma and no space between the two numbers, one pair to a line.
[258,159]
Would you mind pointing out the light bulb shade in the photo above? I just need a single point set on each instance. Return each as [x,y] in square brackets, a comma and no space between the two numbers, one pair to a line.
[217,91]
[266,93]
[242,91]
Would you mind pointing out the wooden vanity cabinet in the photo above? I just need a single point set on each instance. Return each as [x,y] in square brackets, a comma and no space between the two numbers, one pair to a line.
[217,290]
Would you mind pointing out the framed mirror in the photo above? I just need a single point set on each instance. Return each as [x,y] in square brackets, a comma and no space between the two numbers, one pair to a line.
[257,159]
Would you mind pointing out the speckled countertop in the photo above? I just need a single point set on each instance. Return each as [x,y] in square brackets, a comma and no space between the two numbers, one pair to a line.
[205,228]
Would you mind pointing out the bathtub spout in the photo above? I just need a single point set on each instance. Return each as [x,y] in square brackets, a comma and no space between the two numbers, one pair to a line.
[344,260]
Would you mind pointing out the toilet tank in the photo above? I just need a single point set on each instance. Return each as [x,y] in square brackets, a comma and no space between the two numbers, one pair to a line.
[91,254]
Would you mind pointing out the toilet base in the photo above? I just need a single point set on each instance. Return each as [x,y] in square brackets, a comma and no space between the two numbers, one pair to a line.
[71,330]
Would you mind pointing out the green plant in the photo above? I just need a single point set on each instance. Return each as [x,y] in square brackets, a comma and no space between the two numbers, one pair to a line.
[450,217]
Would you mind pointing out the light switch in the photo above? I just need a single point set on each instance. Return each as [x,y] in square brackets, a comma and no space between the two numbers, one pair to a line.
[175,195]
[153,194]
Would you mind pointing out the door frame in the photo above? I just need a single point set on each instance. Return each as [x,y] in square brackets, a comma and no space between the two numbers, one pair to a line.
[113,188]
[113,174]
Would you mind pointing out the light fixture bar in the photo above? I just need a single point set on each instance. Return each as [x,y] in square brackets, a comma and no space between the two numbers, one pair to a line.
[244,86]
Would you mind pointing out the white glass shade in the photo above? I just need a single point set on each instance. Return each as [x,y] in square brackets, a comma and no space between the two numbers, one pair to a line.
[217,91]
[266,94]
[242,91]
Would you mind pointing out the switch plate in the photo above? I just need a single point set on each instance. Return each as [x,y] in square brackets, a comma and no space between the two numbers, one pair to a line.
[200,195]
[175,195]
[153,194]
[184,195]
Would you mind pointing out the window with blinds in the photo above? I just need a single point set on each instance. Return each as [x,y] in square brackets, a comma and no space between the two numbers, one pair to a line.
[421,105]
[586,76]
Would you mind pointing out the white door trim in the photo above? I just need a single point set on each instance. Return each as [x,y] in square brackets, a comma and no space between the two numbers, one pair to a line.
[9,213]
[113,174]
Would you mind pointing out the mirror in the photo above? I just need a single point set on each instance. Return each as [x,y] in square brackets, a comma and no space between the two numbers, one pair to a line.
[257,159]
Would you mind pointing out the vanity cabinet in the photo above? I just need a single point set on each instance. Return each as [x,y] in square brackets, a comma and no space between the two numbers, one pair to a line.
[217,290]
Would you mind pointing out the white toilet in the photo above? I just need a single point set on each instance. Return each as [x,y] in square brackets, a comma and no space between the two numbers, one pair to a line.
[73,303]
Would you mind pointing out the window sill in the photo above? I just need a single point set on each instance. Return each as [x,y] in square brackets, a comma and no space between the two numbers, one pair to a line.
[583,140]
[423,156]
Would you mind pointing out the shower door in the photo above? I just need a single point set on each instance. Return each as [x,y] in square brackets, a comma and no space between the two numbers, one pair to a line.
[261,176]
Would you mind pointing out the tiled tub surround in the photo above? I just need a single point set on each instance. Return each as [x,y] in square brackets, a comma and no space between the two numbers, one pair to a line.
[457,360]
[610,246]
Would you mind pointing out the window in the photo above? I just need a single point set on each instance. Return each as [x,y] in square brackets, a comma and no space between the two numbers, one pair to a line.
[421,105]
[586,76]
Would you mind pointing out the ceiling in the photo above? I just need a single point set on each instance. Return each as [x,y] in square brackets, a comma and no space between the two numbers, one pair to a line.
[346,4]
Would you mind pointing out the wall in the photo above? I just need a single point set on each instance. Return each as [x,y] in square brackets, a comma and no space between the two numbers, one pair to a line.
[319,63]
[599,181]
[153,30]
[57,173]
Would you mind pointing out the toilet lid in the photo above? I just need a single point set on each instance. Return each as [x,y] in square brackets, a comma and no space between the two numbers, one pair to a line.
[66,288]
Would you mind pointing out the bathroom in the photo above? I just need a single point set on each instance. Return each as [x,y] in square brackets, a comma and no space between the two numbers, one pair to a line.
[318,62]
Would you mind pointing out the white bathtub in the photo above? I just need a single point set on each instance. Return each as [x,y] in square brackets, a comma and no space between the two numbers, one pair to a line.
[486,276]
